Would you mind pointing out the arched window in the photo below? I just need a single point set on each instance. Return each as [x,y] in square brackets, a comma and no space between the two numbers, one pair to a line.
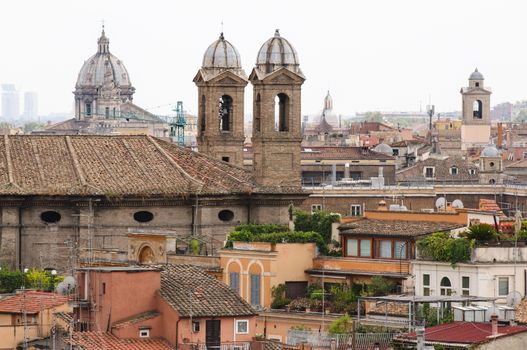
[446,286]
[203,113]
[225,113]
[477,109]
[88,109]
[281,112]
[257,112]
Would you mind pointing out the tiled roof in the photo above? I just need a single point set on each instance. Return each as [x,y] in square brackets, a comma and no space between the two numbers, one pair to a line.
[489,205]
[98,341]
[395,227]
[442,170]
[351,153]
[136,165]
[463,333]
[135,319]
[193,292]
[31,301]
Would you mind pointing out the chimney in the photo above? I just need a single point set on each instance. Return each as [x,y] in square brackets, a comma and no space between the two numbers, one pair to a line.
[494,322]
[420,334]
[347,170]
[500,136]
[382,206]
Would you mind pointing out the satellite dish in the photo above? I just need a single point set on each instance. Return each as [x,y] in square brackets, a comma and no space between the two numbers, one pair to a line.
[62,288]
[458,204]
[69,282]
[514,298]
[441,203]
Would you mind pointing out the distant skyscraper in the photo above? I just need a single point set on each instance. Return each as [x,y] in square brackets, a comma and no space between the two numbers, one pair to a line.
[10,103]
[30,105]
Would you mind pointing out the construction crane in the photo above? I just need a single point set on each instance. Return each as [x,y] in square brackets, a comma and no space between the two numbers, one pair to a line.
[177,124]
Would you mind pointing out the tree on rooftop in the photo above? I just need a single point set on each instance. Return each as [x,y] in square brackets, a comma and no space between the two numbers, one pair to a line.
[320,221]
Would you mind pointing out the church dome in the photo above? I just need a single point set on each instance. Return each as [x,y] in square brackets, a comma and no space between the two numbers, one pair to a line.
[384,149]
[221,54]
[275,53]
[476,75]
[490,151]
[103,68]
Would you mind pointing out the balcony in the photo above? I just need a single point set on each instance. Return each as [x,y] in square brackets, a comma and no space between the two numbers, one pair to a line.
[348,266]
[221,346]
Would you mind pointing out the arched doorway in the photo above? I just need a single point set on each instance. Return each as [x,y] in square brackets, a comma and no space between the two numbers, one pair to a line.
[146,255]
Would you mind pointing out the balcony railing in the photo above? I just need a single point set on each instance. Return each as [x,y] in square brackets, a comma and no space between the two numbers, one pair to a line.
[221,346]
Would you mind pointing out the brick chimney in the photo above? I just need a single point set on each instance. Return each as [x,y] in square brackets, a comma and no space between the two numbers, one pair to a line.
[500,136]
[494,322]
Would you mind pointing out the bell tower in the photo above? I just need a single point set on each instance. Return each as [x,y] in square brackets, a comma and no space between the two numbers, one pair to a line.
[221,83]
[277,81]
[475,125]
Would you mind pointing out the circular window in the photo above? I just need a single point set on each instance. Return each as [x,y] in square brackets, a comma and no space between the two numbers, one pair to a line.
[143,216]
[50,217]
[491,164]
[226,215]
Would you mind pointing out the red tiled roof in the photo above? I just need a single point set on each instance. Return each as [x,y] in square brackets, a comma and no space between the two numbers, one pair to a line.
[395,228]
[463,332]
[135,319]
[98,341]
[31,301]
[351,153]
[489,205]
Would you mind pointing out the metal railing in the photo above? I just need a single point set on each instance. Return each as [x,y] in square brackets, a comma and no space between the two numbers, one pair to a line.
[363,341]
[222,346]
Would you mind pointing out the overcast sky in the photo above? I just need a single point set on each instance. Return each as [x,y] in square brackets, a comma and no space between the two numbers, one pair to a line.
[371,55]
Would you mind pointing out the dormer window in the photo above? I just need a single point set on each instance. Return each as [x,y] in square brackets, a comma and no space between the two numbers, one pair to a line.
[453,170]
[429,172]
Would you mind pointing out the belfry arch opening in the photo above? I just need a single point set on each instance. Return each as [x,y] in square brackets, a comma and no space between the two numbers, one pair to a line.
[477,109]
[203,112]
[257,112]
[281,112]
[225,113]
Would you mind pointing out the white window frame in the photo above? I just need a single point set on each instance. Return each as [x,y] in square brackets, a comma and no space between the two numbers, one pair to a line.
[237,324]
[498,278]
[315,207]
[144,333]
[472,171]
[433,172]
[196,324]
[465,289]
[452,170]
[355,210]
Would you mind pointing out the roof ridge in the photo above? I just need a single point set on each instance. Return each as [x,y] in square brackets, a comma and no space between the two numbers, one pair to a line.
[174,163]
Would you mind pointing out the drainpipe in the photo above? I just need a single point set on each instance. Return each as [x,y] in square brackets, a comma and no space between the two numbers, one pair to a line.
[20,238]
[177,333]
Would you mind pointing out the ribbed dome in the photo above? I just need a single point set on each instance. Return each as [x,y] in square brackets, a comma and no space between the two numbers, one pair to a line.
[222,54]
[103,68]
[476,75]
[490,151]
[275,53]
[384,149]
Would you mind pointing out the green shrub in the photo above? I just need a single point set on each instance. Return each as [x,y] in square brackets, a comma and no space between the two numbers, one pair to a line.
[11,280]
[279,299]
[252,235]
[481,232]
[380,286]
[341,325]
[320,221]
[440,246]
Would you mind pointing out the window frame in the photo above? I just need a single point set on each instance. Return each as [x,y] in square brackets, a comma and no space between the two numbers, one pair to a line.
[397,251]
[426,287]
[237,274]
[356,247]
[498,281]
[196,326]
[316,207]
[360,248]
[353,210]
[381,251]
[146,333]
[237,325]
[463,288]
[425,172]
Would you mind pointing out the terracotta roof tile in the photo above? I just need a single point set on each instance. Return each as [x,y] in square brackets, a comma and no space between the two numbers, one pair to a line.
[355,153]
[193,292]
[395,228]
[135,319]
[98,341]
[122,165]
[463,332]
[32,301]
[442,170]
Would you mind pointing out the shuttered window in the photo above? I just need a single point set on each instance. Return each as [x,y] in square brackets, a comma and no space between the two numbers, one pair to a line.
[255,290]
[234,281]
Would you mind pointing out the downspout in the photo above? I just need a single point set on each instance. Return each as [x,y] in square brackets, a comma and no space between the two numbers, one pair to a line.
[20,238]
[177,333]
[248,212]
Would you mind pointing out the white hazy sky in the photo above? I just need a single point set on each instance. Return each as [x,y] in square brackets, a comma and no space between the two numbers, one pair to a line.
[372,55]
